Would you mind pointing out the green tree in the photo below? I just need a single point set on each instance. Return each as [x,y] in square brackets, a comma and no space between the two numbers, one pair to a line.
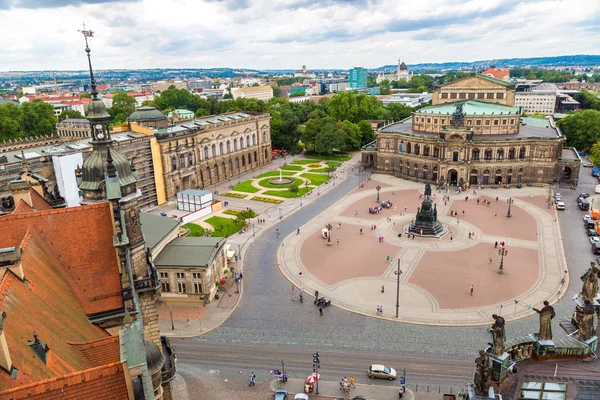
[38,119]
[69,114]
[294,189]
[595,150]
[299,93]
[201,112]
[352,135]
[384,87]
[398,112]
[581,128]
[331,137]
[85,95]
[11,119]
[588,100]
[123,104]
[366,133]
[284,129]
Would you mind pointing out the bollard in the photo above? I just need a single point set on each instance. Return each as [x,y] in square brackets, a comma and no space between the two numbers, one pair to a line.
[427,388]
[416,388]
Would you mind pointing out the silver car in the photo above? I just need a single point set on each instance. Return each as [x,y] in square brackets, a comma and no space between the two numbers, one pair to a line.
[381,371]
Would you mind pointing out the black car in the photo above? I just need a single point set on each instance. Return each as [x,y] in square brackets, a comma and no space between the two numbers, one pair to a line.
[591,232]
[596,248]
[584,195]
[589,224]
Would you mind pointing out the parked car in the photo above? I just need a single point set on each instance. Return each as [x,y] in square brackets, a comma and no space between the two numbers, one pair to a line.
[596,248]
[560,205]
[595,171]
[594,239]
[583,204]
[381,371]
[587,216]
[589,224]
[597,189]
[301,396]
[281,394]
[591,232]
[584,195]
[359,398]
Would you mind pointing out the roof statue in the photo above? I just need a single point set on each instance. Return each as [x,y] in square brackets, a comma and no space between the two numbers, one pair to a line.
[498,334]
[546,315]
[458,116]
[427,189]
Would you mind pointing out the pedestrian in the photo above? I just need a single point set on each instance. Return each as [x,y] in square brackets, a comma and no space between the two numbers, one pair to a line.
[463,213]
[477,201]
[361,232]
[499,251]
[496,245]
[490,260]
[356,213]
[252,381]
[450,237]
[457,221]
[321,311]
[188,321]
[469,235]
[471,290]
[374,226]
[505,252]
[495,214]
[496,198]
[345,381]
[379,239]
[382,288]
[405,208]
[352,382]
[377,313]
[338,240]
[371,227]
[380,310]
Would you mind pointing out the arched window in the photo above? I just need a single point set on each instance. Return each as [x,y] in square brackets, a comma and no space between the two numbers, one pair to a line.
[230,165]
[181,161]
[243,160]
[220,149]
[425,172]
[426,151]
[214,150]
[264,137]
[216,171]
[266,155]
[248,140]
[173,163]
[235,144]
[237,163]
[488,154]
[206,152]
[253,140]
[409,148]
[436,151]
[475,154]
[241,143]
[511,153]
[417,149]
[521,153]
[207,172]
[190,159]
[407,169]
[223,170]
[255,157]
[500,154]
[228,146]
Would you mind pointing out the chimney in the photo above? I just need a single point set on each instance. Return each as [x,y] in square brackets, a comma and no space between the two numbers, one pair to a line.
[5,361]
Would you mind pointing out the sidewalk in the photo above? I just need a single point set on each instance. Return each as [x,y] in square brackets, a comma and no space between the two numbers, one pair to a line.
[332,389]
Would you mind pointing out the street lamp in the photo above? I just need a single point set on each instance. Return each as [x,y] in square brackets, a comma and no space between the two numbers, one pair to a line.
[279,212]
[253,233]
[378,188]
[398,273]
[501,270]
[172,324]
[240,252]
[509,203]
[316,366]
[319,190]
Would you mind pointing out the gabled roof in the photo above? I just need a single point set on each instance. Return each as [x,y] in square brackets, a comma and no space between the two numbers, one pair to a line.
[22,208]
[190,252]
[81,237]
[496,73]
[155,228]
[488,78]
[38,201]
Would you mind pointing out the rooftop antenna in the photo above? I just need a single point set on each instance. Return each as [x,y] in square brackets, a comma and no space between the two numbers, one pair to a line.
[88,34]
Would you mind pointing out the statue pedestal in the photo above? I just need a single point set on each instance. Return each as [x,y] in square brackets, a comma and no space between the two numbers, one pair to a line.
[500,366]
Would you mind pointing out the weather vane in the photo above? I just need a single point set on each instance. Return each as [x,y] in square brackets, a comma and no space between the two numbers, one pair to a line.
[86,33]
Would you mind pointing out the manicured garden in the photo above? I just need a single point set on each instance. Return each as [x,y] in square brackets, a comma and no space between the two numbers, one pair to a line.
[245,186]
[318,157]
[236,195]
[265,183]
[292,168]
[225,226]
[275,173]
[267,199]
[316,179]
[286,194]
[195,230]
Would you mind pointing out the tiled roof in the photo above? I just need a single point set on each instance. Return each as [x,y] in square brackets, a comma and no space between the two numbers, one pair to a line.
[22,208]
[44,304]
[496,73]
[190,252]
[38,201]
[82,239]
[101,351]
[470,107]
[106,382]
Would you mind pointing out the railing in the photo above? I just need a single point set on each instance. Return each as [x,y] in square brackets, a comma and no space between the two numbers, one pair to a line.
[146,284]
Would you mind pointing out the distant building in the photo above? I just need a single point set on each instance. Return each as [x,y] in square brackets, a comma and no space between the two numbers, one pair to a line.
[74,127]
[503,74]
[140,97]
[545,98]
[304,73]
[478,87]
[358,78]
[403,71]
[181,115]
[253,92]
[164,85]
[407,99]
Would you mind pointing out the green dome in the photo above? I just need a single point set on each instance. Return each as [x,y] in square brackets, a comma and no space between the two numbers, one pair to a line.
[155,359]
[146,113]
[94,168]
[97,111]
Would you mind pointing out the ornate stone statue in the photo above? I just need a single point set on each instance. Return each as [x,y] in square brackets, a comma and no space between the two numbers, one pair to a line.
[427,189]
[586,325]
[590,283]
[458,117]
[498,334]
[482,374]
[546,315]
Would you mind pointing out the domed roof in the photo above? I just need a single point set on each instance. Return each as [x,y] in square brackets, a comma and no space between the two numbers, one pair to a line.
[97,111]
[155,359]
[94,166]
[403,67]
[146,113]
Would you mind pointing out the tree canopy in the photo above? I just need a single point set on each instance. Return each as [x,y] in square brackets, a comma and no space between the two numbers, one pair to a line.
[69,114]
[581,128]
[31,119]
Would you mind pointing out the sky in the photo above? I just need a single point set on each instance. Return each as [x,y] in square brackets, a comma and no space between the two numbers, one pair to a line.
[286,34]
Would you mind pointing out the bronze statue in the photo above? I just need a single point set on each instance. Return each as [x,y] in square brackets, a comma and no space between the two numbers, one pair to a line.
[427,189]
[458,117]
[546,315]
[586,325]
[590,283]
[498,334]
[482,374]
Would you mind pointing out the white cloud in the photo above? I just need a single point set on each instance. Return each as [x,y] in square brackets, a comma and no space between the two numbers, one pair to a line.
[266,34]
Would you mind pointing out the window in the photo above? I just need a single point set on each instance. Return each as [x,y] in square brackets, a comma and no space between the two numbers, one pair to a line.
[487,121]
[180,282]
[243,160]
[471,96]
[521,153]
[181,161]
[512,121]
[428,120]
[426,151]
[488,154]
[417,149]
[481,95]
[197,282]
[180,275]
[436,151]
[164,282]
[253,139]
[500,154]
[242,143]
[207,173]
[237,163]
[264,136]
[452,95]
[495,122]
[216,171]
[228,146]
[173,163]
[221,149]
[489,96]
[214,150]
[511,153]
[255,157]
[462,95]
[503,122]
[266,155]
[409,148]
[206,152]
[190,159]
[469,122]
[455,156]
[235,144]
[443,121]
[223,170]
[545,390]
[435,121]
[499,95]
[444,95]
[475,154]
[247,140]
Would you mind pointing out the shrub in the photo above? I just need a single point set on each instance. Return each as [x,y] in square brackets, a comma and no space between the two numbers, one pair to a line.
[267,200]
[236,195]
[294,189]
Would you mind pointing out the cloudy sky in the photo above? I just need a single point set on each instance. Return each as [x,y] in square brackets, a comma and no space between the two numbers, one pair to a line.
[262,34]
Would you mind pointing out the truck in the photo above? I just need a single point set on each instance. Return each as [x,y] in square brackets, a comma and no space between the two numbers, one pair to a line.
[595,172]
[594,213]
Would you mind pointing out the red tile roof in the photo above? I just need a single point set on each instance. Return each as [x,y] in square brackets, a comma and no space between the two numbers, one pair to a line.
[496,73]
[81,237]
[22,208]
[101,351]
[45,304]
[38,201]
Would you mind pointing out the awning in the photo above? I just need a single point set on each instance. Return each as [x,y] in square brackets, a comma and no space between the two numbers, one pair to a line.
[230,253]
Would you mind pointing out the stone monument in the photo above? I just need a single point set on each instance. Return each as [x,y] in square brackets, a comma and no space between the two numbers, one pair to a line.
[426,222]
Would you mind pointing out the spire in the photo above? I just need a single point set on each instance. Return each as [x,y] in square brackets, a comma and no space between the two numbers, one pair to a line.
[86,35]
[24,164]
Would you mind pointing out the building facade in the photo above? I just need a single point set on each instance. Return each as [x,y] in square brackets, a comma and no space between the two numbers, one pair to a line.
[402,73]
[358,78]
[479,87]
[543,102]
[74,128]
[473,143]
[263,93]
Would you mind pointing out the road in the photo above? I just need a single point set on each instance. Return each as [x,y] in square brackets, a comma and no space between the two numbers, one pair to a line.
[267,326]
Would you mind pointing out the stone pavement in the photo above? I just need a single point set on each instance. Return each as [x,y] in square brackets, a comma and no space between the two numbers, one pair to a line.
[437,273]
[332,390]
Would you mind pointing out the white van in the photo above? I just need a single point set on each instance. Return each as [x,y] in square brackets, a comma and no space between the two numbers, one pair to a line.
[598,189]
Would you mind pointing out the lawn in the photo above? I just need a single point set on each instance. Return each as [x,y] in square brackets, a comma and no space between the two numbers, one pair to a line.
[333,163]
[320,170]
[316,179]
[265,183]
[267,199]
[291,168]
[224,226]
[318,157]
[286,194]
[236,195]
[246,186]
[275,173]
[195,230]
[303,162]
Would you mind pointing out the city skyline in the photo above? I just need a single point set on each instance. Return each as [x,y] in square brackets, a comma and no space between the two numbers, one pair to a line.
[333,34]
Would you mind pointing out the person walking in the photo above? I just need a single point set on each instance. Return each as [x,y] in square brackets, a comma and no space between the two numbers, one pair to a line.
[352,382]
[321,311]
[382,288]
[495,214]
[471,290]
[496,245]
[252,379]
[377,312]
[490,260]
[338,240]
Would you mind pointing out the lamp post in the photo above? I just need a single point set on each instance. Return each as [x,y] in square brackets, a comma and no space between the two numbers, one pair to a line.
[253,233]
[319,190]
[279,212]
[378,188]
[316,366]
[240,252]
[172,324]
[501,269]
[509,203]
[398,273]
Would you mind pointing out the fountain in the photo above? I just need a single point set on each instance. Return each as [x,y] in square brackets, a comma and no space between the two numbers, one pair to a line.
[426,221]
[281,180]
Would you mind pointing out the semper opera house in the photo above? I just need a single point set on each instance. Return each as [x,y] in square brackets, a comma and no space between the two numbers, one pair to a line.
[472,134]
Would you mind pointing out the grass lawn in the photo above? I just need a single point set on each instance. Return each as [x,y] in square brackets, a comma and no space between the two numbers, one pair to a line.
[265,183]
[318,157]
[291,168]
[224,226]
[246,186]
[267,200]
[333,163]
[316,179]
[286,194]
[320,170]
[195,230]
[236,195]
[275,173]
[303,162]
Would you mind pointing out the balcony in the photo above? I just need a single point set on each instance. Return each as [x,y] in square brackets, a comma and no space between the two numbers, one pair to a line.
[170,368]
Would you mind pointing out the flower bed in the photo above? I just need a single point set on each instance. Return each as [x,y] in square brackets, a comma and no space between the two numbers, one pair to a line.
[232,212]
[236,195]
[267,200]
[314,165]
